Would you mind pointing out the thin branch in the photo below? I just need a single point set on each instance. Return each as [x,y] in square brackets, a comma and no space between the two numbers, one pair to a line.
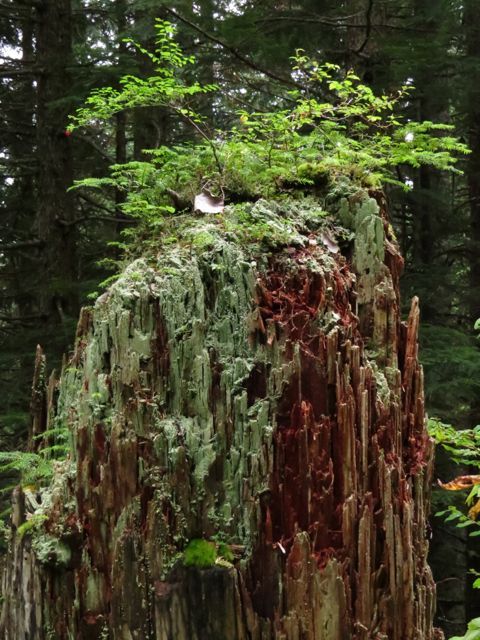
[204,135]
[234,52]
[96,146]
[22,320]
[339,24]
[72,223]
[32,3]
[95,218]
[10,10]
[14,72]
[12,246]
[368,29]
[9,59]
[334,22]
[19,162]
[238,77]
[95,203]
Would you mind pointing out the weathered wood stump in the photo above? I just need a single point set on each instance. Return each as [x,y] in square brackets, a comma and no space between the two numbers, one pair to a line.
[265,401]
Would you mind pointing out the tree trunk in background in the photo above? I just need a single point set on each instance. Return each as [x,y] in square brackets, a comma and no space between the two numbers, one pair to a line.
[431,105]
[121,117]
[472,24]
[429,204]
[472,35]
[18,268]
[55,212]
[271,402]
[150,124]
[361,43]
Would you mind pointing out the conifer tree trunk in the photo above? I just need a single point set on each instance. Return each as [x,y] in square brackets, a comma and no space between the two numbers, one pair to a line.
[56,211]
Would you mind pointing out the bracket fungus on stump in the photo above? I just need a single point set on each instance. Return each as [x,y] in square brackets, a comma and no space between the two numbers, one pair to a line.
[249,455]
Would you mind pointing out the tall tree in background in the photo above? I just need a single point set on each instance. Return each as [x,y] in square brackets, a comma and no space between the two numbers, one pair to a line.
[55,206]
[20,247]
[472,101]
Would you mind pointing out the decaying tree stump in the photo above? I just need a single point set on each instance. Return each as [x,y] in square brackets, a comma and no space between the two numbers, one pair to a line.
[266,402]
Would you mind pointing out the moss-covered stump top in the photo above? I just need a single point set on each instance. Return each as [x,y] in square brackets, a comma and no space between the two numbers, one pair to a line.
[249,456]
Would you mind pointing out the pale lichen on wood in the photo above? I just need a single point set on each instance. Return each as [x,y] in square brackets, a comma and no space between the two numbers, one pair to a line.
[264,394]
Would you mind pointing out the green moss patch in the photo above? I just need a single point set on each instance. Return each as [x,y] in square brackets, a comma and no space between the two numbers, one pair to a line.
[200,553]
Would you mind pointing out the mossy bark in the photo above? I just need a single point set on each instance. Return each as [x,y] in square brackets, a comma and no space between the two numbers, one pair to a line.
[273,402]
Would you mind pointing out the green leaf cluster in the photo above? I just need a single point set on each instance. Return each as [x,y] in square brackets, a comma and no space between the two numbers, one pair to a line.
[332,125]
[473,631]
[35,469]
[462,445]
[460,520]
[164,88]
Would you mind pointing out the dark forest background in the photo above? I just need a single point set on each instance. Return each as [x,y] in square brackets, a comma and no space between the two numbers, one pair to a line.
[54,244]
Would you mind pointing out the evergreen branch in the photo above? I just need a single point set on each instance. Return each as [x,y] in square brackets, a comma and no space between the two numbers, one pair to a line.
[72,223]
[14,72]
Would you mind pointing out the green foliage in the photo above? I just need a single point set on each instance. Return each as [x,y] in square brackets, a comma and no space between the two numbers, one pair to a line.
[450,390]
[463,446]
[334,126]
[165,88]
[145,194]
[352,128]
[225,552]
[473,631]
[200,553]
[476,582]
[459,519]
[32,467]
[36,468]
